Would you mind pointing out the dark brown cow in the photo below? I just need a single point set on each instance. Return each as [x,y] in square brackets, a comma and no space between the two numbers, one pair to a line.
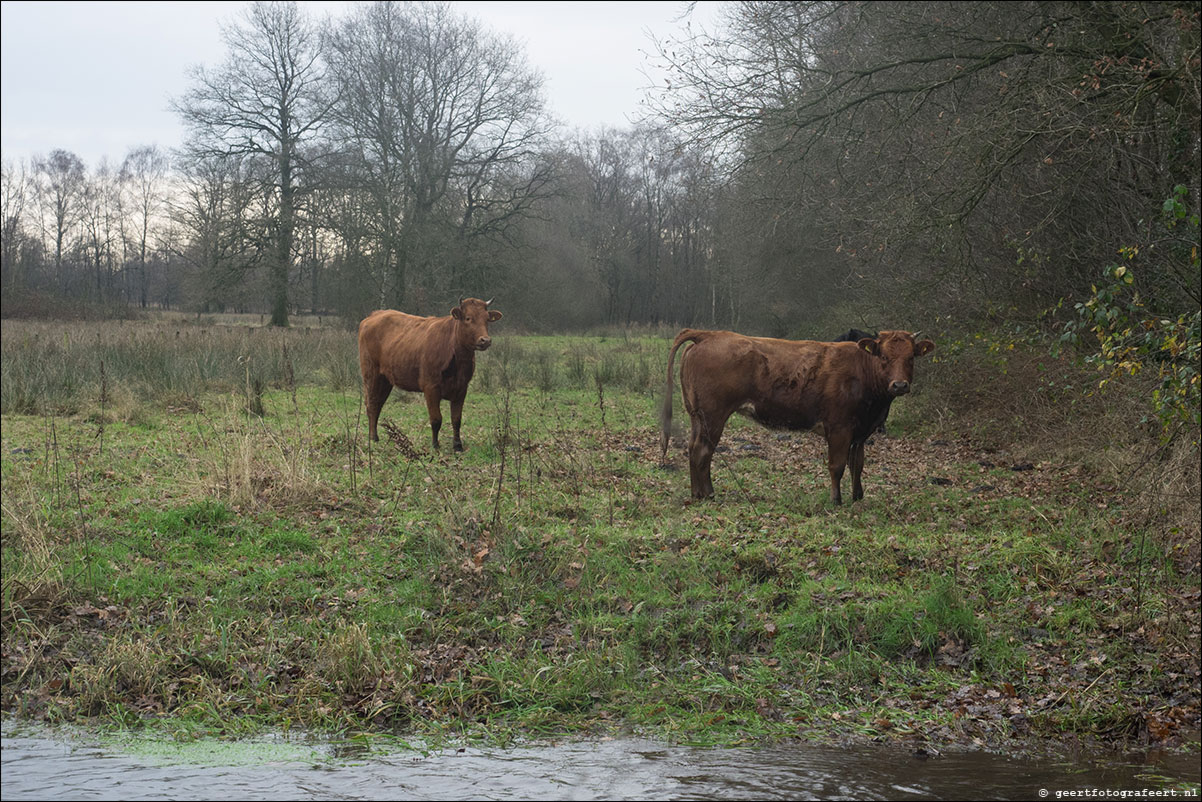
[435,356]
[793,384]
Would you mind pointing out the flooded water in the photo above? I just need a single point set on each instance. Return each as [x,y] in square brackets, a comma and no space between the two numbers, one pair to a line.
[44,764]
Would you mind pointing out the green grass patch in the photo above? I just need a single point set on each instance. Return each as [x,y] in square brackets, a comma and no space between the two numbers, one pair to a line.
[170,558]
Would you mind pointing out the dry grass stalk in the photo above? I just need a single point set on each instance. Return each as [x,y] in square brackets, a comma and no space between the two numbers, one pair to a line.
[400,440]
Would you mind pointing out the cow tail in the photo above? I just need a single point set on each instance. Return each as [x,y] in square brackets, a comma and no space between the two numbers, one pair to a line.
[665,410]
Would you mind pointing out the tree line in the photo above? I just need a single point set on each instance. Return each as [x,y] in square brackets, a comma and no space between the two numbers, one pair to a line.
[805,163]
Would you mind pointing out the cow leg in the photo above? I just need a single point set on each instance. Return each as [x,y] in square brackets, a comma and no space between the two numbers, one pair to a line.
[702,442]
[838,447]
[433,402]
[456,420]
[696,483]
[857,468]
[375,393]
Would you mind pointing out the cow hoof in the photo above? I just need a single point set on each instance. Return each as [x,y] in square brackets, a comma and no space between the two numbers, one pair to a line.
[459,447]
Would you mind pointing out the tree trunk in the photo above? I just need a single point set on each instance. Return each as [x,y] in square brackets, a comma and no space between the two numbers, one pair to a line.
[279,269]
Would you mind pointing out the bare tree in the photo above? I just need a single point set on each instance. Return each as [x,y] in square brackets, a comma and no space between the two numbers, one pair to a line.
[608,163]
[143,176]
[979,154]
[267,101]
[218,237]
[444,123]
[60,189]
[640,206]
[100,215]
[15,190]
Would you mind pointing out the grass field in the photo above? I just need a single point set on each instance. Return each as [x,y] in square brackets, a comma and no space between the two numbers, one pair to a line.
[196,532]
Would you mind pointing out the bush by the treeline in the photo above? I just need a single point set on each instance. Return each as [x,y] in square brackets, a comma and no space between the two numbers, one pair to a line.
[37,305]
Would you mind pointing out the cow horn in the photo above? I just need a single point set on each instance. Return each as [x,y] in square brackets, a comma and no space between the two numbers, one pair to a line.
[489,301]
[460,300]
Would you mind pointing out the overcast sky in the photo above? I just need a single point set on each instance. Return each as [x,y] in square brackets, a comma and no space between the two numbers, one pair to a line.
[96,78]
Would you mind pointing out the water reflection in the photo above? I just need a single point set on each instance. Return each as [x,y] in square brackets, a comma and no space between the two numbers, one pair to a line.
[39,764]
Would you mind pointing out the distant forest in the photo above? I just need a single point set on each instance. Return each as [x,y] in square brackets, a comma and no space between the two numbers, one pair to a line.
[805,165]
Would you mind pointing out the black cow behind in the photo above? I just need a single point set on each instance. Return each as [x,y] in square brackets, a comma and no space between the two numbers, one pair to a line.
[854,336]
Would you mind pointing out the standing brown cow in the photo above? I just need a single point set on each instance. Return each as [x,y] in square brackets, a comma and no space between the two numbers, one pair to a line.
[435,356]
[793,384]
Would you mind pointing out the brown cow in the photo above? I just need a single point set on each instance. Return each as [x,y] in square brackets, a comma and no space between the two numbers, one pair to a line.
[794,384]
[435,356]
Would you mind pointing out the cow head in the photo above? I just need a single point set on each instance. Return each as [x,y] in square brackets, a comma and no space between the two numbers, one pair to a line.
[474,316]
[896,351]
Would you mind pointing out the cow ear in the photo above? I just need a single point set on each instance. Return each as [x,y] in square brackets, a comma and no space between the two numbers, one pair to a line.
[923,347]
[871,346]
[494,316]
[457,313]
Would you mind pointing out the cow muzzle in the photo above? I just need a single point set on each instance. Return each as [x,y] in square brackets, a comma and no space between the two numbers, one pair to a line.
[483,343]
[899,388]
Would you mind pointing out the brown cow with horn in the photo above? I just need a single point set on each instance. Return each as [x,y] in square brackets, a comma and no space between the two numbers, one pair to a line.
[846,388]
[435,356]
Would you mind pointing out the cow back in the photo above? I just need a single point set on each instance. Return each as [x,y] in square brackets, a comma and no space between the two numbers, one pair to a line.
[410,351]
[790,384]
